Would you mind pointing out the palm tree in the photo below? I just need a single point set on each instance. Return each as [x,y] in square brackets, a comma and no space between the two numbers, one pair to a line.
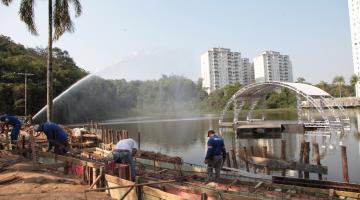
[354,79]
[339,81]
[323,85]
[60,20]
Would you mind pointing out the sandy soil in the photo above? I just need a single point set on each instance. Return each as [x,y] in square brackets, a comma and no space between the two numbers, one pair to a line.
[39,184]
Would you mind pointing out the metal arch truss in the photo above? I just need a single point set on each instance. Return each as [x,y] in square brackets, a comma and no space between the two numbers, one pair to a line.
[256,91]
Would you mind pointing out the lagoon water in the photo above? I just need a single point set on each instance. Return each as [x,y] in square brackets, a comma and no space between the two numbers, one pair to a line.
[186,136]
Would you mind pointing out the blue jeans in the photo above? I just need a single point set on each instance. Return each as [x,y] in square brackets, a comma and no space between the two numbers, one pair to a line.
[125,157]
[15,132]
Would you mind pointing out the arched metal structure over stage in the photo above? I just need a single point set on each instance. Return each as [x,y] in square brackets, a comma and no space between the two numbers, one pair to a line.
[316,97]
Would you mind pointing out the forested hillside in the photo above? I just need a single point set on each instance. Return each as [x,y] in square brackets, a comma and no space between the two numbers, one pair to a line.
[14,59]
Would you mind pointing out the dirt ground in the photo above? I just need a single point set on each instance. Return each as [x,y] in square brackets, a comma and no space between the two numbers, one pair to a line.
[18,181]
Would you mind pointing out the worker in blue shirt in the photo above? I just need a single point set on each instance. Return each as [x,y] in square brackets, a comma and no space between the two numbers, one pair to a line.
[15,123]
[56,137]
[215,155]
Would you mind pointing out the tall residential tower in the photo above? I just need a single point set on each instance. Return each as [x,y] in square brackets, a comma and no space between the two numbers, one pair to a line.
[272,66]
[354,12]
[220,67]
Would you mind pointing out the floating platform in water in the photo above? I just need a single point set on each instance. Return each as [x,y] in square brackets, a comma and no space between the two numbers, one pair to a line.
[263,130]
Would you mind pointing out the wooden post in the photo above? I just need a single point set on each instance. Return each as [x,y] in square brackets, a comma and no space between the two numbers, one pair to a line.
[6,130]
[228,159]
[33,150]
[112,136]
[126,134]
[84,174]
[246,159]
[264,155]
[252,150]
[89,174]
[204,196]
[102,179]
[94,176]
[301,155]
[66,167]
[317,156]
[283,155]
[102,134]
[233,155]
[139,139]
[23,145]
[307,158]
[344,164]
[139,191]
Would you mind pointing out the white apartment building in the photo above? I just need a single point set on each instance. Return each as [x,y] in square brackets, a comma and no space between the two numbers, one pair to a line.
[220,67]
[272,66]
[354,12]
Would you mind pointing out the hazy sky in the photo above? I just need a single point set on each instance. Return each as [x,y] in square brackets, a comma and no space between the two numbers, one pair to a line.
[155,37]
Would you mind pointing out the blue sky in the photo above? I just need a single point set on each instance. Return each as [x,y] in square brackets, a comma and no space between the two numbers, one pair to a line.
[143,39]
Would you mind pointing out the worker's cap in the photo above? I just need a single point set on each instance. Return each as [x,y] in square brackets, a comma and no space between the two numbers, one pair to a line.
[36,127]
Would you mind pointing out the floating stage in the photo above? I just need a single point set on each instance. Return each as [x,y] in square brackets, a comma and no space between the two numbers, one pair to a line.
[271,129]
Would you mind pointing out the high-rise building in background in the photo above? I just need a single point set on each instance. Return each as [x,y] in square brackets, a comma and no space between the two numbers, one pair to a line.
[221,66]
[272,66]
[354,12]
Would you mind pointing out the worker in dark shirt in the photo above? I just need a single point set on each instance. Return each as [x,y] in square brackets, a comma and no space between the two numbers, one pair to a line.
[15,123]
[215,155]
[56,137]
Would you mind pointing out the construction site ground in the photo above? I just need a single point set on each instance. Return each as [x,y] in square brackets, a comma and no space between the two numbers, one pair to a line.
[19,180]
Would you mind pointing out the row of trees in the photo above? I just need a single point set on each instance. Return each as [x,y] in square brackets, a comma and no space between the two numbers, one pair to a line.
[338,88]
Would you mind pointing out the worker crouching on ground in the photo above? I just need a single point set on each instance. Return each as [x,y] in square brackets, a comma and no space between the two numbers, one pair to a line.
[15,123]
[55,135]
[215,155]
[123,153]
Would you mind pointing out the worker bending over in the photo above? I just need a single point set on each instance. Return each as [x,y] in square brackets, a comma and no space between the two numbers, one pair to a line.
[123,153]
[56,137]
[15,123]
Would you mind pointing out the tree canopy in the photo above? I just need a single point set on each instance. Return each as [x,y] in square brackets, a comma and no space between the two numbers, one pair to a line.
[15,58]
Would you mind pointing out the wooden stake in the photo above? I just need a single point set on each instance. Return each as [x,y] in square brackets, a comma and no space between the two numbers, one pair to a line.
[228,159]
[301,156]
[84,173]
[246,159]
[23,144]
[283,155]
[94,176]
[233,155]
[307,158]
[204,196]
[264,155]
[102,134]
[139,139]
[252,150]
[344,164]
[317,156]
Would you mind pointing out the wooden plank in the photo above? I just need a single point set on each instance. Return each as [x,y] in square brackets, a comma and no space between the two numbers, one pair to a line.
[117,193]
[160,194]
[280,164]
